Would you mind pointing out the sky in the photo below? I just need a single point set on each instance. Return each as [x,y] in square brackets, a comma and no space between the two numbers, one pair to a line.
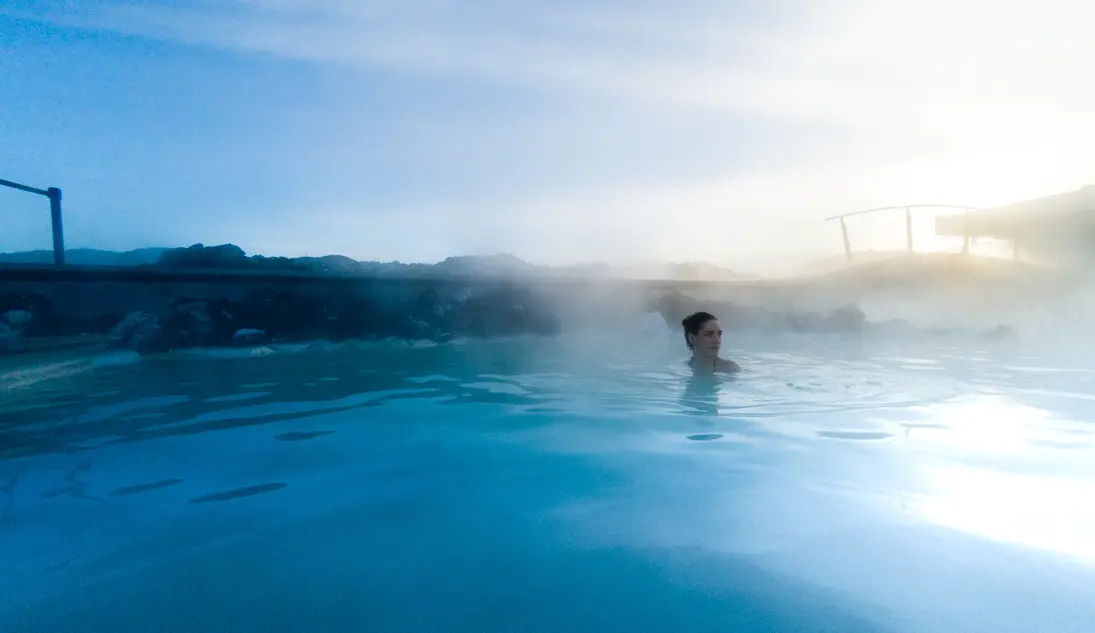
[560,132]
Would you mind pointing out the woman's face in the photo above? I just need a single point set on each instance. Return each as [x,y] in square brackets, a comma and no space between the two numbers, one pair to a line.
[708,339]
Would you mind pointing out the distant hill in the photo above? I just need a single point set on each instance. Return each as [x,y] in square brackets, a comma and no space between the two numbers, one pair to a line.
[88,257]
[232,257]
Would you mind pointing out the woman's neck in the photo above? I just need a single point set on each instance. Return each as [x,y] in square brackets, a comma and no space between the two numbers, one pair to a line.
[707,363]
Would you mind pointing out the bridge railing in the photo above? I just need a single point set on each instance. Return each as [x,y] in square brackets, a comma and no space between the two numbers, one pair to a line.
[54,195]
[908,209]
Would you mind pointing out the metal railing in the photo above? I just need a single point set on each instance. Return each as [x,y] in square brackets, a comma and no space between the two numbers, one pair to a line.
[908,223]
[54,195]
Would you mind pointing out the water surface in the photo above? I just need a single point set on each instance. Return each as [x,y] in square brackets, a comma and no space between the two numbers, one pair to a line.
[551,485]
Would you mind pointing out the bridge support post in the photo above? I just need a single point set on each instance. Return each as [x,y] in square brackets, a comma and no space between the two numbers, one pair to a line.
[847,242]
[966,233]
[58,225]
[909,228]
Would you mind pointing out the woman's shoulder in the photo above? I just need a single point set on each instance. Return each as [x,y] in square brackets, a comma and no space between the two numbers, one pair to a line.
[727,365]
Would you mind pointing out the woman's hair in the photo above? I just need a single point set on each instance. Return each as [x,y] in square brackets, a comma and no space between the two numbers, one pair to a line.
[692,324]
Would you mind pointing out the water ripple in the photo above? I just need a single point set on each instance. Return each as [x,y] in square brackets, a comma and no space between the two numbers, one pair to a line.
[523,377]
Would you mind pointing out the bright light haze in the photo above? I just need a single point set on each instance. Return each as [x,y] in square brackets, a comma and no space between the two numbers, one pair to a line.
[560,132]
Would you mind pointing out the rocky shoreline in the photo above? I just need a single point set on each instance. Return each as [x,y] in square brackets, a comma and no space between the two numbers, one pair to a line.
[267,314]
[215,306]
[439,314]
[285,316]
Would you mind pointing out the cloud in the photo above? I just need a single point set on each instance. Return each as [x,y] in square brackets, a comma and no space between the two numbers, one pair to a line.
[824,60]
[903,68]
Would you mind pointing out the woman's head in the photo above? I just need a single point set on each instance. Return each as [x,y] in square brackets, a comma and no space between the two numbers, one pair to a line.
[702,333]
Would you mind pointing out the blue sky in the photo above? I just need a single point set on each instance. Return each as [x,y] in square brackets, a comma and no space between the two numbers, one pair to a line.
[556,131]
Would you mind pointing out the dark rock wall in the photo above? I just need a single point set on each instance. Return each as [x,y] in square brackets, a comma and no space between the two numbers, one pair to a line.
[164,315]
[155,310]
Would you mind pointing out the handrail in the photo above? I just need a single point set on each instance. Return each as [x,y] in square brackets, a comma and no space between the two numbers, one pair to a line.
[54,195]
[908,223]
[15,185]
[902,206]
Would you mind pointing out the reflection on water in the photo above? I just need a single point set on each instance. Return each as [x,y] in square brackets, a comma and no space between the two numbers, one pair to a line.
[1050,511]
[246,491]
[193,394]
[300,436]
[525,485]
[701,394]
[138,488]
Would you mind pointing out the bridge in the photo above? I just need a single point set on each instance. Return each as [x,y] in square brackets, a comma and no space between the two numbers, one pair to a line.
[908,208]
[1057,226]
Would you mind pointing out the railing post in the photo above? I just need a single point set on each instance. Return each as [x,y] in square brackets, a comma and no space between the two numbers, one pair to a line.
[966,233]
[909,228]
[58,225]
[847,242]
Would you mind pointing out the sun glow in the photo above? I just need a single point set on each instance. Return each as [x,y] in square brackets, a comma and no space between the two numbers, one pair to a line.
[1050,513]
[1038,496]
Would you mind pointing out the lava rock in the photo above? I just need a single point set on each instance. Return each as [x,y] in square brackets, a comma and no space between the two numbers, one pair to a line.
[16,320]
[849,318]
[1002,332]
[8,338]
[675,306]
[893,328]
[142,333]
[189,324]
[429,305]
[42,318]
[248,336]
[504,312]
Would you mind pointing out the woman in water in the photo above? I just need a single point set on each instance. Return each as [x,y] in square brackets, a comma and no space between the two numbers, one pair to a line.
[703,334]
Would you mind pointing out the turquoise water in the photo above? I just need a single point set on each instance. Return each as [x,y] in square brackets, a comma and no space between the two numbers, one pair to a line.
[552,485]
